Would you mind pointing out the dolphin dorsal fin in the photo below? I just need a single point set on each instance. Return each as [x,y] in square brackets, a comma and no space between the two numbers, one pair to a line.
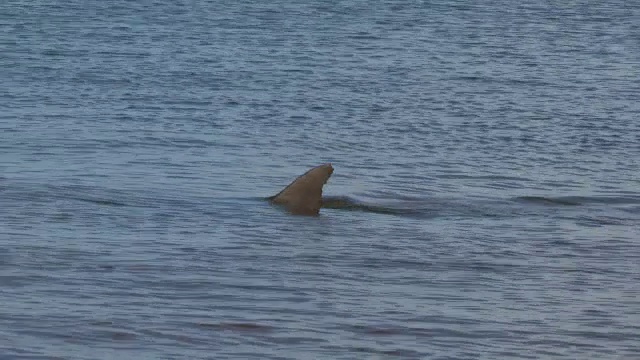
[304,195]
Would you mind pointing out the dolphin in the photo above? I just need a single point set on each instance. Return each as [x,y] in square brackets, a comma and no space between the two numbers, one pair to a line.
[304,195]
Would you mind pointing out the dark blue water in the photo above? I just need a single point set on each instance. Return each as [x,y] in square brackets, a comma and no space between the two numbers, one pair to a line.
[494,150]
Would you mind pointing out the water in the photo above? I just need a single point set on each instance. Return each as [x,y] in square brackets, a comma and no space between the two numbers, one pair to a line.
[493,151]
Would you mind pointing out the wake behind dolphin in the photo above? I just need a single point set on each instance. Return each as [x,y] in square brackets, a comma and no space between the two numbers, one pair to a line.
[304,196]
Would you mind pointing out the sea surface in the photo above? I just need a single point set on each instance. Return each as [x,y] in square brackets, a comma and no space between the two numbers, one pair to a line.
[492,150]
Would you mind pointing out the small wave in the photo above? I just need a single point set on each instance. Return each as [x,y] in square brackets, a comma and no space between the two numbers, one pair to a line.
[237,326]
[579,200]
[99,201]
[548,200]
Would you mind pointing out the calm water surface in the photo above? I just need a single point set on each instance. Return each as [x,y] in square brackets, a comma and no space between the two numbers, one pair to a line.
[494,149]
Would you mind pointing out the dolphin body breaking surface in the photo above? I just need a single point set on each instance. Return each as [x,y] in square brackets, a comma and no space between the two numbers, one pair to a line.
[304,195]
